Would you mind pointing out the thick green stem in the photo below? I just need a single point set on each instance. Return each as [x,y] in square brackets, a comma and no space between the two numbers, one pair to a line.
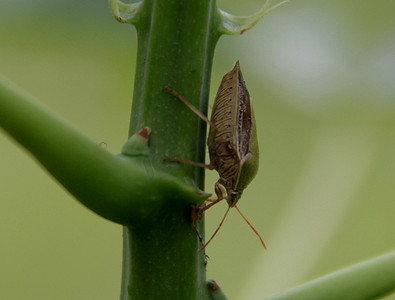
[162,268]
[176,47]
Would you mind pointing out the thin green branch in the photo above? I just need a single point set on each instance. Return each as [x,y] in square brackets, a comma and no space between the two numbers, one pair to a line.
[371,279]
[103,182]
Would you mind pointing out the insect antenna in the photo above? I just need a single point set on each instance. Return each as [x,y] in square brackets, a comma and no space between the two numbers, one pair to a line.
[252,227]
[216,231]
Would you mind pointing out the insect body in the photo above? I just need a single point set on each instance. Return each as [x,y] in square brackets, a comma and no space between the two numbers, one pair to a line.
[232,141]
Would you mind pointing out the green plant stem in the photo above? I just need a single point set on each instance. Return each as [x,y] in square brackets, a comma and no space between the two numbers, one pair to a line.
[173,273]
[176,41]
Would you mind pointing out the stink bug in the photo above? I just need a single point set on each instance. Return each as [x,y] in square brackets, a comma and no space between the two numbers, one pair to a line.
[232,142]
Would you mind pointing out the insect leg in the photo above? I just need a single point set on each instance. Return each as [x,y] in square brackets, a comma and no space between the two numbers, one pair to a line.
[190,106]
[197,211]
[196,216]
[189,162]
[219,190]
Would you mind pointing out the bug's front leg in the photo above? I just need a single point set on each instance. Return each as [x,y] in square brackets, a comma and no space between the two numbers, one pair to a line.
[221,194]
[220,190]
[197,211]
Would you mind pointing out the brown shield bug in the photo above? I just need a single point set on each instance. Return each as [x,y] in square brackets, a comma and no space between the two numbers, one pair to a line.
[232,143]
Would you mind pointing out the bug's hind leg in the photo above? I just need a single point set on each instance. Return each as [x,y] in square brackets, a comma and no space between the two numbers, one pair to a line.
[188,162]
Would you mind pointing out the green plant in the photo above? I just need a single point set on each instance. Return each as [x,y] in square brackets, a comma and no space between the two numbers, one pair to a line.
[134,189]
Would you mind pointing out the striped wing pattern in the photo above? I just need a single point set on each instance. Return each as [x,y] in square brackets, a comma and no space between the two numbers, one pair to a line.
[226,141]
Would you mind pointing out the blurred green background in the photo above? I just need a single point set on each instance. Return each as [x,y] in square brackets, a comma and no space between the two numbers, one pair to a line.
[322,77]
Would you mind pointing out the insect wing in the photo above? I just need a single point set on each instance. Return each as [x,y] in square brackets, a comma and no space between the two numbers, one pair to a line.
[246,137]
[222,140]
[232,141]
